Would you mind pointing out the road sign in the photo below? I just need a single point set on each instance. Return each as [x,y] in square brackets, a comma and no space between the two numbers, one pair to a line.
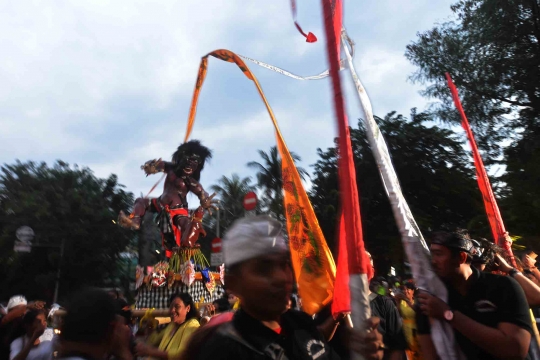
[25,235]
[216,259]
[216,245]
[250,201]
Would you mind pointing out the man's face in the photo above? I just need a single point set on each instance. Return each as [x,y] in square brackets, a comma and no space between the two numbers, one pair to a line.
[40,321]
[264,285]
[444,264]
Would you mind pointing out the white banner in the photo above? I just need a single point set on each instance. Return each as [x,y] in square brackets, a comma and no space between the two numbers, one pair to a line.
[322,75]
[413,242]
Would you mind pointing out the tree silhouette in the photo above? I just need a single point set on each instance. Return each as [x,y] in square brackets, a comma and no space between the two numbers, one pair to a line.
[270,182]
[230,192]
[492,50]
[435,175]
[60,203]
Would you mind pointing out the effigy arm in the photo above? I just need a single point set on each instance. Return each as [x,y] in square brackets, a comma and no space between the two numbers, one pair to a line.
[155,166]
[206,200]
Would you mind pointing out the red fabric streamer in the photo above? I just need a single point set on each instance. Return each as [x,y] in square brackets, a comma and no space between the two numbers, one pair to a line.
[336,7]
[352,257]
[310,37]
[342,294]
[494,216]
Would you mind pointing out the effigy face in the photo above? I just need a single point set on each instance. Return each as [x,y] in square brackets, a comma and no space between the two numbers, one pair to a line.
[190,163]
[159,279]
[159,276]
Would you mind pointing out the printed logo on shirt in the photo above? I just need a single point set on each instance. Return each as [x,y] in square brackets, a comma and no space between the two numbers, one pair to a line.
[274,351]
[315,348]
[485,306]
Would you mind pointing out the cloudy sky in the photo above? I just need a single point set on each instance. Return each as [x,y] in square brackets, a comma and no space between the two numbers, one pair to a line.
[108,84]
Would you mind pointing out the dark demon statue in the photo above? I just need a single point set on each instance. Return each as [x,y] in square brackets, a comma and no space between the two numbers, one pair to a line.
[183,175]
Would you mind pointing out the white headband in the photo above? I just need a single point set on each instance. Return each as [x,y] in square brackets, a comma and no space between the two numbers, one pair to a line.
[252,237]
[16,301]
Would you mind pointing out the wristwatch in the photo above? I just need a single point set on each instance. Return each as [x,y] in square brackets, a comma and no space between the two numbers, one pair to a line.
[513,272]
[448,315]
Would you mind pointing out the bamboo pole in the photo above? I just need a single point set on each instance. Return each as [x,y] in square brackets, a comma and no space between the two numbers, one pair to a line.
[137,313]
[414,245]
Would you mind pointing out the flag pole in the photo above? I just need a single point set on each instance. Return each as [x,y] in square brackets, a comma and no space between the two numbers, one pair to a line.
[350,233]
[411,237]
[500,236]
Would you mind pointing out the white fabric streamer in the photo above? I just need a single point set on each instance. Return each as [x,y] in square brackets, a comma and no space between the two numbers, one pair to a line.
[281,71]
[413,242]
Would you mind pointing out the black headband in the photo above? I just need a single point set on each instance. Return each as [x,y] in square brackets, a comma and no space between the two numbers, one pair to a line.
[454,241]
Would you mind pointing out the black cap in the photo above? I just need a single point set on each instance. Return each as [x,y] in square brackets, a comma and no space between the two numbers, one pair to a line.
[453,240]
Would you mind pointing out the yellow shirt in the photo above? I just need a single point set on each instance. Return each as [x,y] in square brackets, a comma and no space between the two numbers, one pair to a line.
[409,328]
[535,328]
[176,343]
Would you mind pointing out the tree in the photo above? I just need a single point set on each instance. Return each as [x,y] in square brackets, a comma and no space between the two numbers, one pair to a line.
[270,181]
[435,176]
[231,192]
[521,195]
[60,203]
[492,50]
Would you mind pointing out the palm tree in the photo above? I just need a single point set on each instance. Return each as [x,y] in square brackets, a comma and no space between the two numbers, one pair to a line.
[231,192]
[269,180]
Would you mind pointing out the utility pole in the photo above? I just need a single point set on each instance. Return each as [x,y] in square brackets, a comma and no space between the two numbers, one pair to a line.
[25,235]
[57,285]
[218,218]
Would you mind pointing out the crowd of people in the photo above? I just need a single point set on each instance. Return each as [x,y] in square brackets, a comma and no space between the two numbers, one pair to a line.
[491,308]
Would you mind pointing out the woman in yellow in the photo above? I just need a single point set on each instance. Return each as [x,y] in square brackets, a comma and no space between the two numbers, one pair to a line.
[172,341]
[406,309]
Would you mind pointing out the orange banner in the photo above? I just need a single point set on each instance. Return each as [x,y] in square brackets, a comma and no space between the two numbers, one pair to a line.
[313,264]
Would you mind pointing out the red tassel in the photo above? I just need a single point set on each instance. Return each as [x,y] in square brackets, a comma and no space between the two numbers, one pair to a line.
[311,38]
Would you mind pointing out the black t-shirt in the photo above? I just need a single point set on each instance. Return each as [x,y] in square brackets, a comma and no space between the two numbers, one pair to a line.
[491,299]
[247,338]
[391,325]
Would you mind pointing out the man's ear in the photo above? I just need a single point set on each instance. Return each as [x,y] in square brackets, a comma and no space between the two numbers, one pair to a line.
[232,282]
[463,257]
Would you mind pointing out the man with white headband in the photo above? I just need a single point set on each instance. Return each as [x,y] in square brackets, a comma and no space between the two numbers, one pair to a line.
[10,324]
[259,272]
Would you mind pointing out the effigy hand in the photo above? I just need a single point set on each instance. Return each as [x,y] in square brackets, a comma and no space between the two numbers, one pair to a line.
[151,167]
[207,204]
